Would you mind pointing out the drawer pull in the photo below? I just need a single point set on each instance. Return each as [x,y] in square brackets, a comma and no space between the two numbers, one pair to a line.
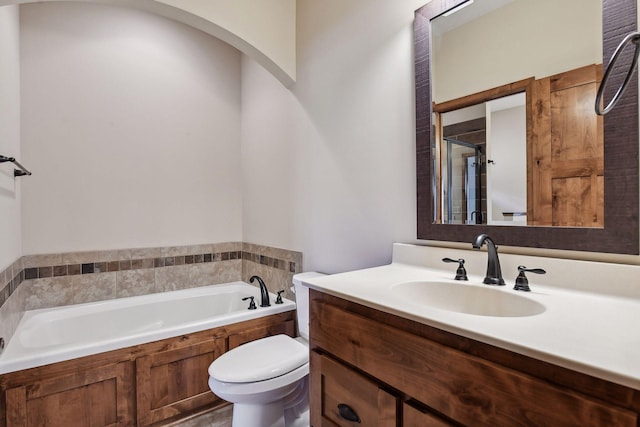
[347,413]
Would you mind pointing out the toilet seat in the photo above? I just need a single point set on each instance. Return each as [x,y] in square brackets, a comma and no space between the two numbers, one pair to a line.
[260,360]
[261,391]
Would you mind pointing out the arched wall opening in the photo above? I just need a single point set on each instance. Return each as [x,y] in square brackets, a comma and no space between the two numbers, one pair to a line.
[265,31]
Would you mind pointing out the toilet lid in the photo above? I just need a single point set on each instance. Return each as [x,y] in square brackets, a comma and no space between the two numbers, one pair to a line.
[260,360]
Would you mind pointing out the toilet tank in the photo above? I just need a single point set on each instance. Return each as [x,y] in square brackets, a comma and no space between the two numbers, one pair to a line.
[302,301]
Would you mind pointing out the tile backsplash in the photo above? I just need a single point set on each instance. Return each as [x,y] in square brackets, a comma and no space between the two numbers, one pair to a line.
[50,280]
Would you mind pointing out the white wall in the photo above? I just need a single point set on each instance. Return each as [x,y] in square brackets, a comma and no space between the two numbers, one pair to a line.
[356,130]
[10,242]
[268,157]
[345,137]
[351,152]
[131,126]
[328,167]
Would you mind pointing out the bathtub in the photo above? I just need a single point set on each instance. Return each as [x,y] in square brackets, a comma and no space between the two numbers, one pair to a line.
[56,334]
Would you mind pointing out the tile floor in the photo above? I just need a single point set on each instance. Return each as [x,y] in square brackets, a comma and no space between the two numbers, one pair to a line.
[218,418]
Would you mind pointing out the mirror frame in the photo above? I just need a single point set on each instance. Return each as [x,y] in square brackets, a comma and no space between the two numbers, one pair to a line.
[620,233]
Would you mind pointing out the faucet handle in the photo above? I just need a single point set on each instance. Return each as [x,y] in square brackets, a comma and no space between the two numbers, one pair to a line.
[252,303]
[279,297]
[522,283]
[461,273]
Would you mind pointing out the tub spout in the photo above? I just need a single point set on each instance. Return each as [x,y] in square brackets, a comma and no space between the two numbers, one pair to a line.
[264,293]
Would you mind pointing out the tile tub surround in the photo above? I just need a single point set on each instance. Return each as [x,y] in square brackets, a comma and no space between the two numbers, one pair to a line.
[41,281]
[276,266]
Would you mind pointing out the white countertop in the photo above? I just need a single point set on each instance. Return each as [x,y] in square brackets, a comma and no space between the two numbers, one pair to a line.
[592,332]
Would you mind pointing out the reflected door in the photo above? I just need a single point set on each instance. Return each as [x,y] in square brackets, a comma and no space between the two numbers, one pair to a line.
[463,189]
[567,162]
[473,189]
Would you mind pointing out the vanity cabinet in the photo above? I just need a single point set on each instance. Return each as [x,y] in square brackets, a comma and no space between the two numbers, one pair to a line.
[437,378]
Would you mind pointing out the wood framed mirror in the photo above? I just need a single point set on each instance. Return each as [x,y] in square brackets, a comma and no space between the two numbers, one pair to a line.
[620,233]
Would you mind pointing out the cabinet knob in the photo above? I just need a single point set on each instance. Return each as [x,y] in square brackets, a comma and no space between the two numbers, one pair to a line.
[348,413]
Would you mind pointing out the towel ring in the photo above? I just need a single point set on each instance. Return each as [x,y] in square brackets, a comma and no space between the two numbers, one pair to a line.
[635,39]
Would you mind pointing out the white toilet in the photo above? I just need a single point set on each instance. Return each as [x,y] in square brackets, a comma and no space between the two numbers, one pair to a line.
[267,380]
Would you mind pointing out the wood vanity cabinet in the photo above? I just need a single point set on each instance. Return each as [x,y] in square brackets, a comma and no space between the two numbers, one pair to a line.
[398,372]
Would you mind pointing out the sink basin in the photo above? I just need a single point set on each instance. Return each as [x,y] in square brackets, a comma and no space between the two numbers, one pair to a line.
[479,300]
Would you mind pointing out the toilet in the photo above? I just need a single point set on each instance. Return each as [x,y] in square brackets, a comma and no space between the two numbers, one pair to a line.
[267,380]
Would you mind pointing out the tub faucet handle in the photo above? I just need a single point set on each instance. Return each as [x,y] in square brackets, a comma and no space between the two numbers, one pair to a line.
[252,303]
[279,297]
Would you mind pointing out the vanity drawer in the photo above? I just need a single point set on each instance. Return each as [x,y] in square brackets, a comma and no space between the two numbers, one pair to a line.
[335,385]
[463,387]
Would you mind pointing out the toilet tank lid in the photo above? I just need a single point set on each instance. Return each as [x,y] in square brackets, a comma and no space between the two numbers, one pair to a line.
[260,360]
[301,277]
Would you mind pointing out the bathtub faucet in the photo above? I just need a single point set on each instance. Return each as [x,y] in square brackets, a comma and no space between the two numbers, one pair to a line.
[264,293]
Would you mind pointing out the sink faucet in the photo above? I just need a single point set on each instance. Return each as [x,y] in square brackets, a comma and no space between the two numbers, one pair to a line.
[264,293]
[494,274]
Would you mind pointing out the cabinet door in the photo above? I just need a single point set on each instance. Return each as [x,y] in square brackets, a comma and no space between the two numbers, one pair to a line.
[175,382]
[342,397]
[96,397]
[414,417]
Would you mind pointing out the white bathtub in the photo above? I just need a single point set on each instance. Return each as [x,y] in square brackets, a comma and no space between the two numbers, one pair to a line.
[61,333]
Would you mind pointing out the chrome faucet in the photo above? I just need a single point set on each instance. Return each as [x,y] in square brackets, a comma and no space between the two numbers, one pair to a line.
[264,293]
[494,274]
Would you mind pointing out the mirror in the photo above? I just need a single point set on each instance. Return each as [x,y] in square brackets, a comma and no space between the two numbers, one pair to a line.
[549,45]
[619,232]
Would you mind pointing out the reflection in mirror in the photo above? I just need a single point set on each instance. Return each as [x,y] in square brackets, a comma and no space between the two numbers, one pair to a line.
[494,42]
[484,167]
[543,166]
[515,62]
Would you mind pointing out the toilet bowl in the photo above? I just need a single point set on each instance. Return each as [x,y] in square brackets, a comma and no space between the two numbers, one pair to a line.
[267,380]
